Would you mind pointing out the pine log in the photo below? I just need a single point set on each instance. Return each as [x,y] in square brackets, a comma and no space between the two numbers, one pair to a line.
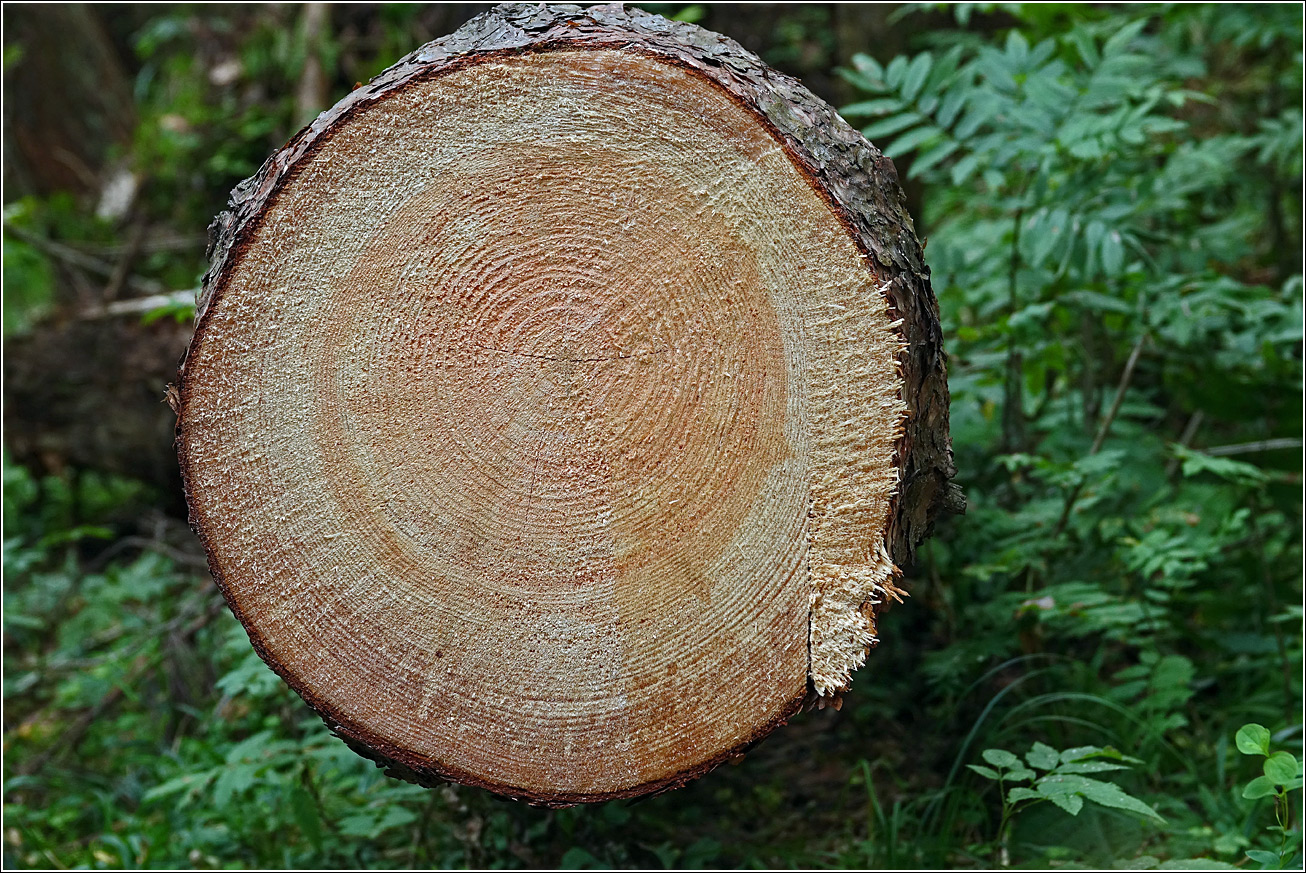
[562,404]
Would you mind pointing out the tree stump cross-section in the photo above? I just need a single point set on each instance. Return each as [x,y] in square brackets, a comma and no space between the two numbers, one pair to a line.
[562,403]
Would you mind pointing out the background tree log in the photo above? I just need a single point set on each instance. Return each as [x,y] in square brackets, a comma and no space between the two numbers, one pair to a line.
[60,144]
[560,403]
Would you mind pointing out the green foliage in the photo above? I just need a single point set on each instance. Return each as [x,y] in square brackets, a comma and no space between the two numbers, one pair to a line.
[692,14]
[1056,776]
[29,271]
[28,278]
[1116,294]
[212,104]
[1281,777]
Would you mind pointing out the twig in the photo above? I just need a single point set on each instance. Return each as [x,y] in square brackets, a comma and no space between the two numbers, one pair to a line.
[70,255]
[419,834]
[1049,389]
[62,252]
[1268,582]
[122,270]
[190,560]
[137,305]
[174,243]
[1190,430]
[71,738]
[1013,389]
[1125,378]
[1258,446]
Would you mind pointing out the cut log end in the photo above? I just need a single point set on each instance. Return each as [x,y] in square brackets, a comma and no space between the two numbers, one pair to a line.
[549,405]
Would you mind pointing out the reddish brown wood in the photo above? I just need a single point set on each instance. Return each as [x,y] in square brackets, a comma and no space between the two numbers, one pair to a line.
[562,404]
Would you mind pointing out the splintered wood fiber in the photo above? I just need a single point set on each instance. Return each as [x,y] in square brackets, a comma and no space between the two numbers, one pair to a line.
[543,430]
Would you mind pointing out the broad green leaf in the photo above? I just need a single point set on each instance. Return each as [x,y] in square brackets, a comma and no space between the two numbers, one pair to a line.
[944,71]
[1195,462]
[1103,793]
[1086,47]
[896,71]
[1071,803]
[1087,149]
[891,125]
[971,122]
[29,286]
[1094,233]
[1098,302]
[360,824]
[1053,784]
[1195,864]
[1267,859]
[1000,758]
[861,80]
[908,142]
[984,771]
[367,823]
[879,106]
[1259,787]
[1020,793]
[395,817]
[1079,753]
[179,784]
[962,170]
[931,156]
[1017,46]
[1281,768]
[950,107]
[251,748]
[868,65]
[981,108]
[1253,739]
[1123,37]
[233,780]
[1113,253]
[915,76]
[577,858]
[1039,55]
[1045,231]
[1090,767]
[1051,98]
[1043,756]
[1019,773]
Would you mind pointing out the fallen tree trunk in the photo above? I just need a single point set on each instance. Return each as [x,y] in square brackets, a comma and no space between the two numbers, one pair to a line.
[561,402]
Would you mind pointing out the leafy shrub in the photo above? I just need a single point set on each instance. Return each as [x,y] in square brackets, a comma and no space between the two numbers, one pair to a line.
[1115,295]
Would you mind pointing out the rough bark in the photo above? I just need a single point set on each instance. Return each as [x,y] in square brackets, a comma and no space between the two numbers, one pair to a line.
[842,321]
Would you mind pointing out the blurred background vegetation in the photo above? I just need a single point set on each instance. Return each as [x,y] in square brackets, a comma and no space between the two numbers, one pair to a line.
[1112,196]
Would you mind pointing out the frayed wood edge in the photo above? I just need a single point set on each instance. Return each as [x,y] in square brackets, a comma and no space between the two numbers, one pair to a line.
[854,630]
